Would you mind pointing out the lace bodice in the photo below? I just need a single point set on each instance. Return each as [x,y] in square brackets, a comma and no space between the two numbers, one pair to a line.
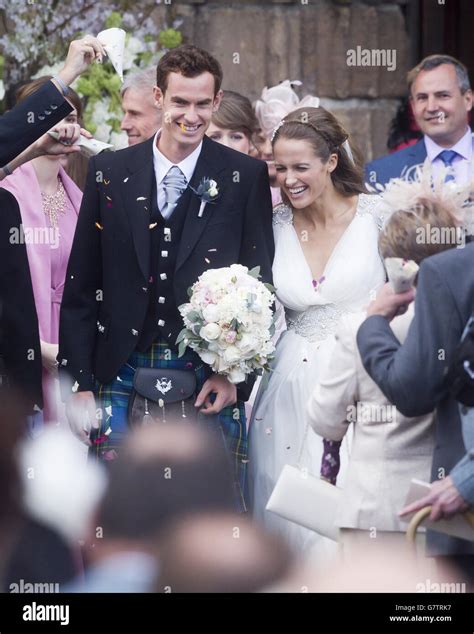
[352,274]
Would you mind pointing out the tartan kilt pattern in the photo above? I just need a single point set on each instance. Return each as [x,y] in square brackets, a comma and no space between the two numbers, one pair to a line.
[113,397]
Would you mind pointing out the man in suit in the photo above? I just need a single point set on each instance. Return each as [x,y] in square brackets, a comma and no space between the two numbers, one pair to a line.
[141,116]
[140,243]
[34,116]
[20,345]
[20,357]
[441,99]
[412,375]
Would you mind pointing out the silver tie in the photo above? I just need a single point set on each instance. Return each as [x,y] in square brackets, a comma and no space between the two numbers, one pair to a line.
[174,184]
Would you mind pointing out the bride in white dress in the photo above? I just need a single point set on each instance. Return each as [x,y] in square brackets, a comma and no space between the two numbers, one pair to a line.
[326,264]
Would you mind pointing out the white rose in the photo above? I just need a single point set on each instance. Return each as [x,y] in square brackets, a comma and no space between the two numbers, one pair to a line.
[232,354]
[208,357]
[236,375]
[213,192]
[210,332]
[210,312]
[247,344]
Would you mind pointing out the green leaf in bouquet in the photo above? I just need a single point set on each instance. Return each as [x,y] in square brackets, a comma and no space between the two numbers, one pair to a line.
[182,335]
[272,329]
[190,291]
[181,349]
[255,272]
[193,315]
[269,287]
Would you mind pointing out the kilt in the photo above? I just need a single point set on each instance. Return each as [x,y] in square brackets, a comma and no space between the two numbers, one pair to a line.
[112,398]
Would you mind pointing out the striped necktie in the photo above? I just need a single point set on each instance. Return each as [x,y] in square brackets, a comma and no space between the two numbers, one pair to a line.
[174,184]
[448,156]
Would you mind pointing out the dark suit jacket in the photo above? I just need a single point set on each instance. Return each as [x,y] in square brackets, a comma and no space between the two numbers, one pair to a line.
[30,119]
[412,375]
[395,165]
[111,249]
[19,335]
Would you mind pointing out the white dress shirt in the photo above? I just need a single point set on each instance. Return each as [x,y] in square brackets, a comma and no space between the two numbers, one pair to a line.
[162,165]
[462,164]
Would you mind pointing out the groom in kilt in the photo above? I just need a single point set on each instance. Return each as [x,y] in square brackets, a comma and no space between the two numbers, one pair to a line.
[143,238]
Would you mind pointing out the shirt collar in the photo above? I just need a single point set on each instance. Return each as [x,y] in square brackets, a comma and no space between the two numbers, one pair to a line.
[463,147]
[162,164]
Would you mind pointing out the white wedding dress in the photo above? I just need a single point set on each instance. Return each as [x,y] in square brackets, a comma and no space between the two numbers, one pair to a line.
[352,274]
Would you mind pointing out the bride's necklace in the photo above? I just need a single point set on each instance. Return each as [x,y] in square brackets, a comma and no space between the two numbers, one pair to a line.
[55,204]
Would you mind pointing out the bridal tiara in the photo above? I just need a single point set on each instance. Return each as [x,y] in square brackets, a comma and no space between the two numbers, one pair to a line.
[345,145]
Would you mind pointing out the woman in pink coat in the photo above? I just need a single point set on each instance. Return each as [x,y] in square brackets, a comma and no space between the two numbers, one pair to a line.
[49,203]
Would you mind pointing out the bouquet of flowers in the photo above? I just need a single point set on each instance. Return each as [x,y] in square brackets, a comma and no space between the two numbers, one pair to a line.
[229,321]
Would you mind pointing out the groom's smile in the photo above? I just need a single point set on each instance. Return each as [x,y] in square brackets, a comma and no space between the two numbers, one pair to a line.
[188,104]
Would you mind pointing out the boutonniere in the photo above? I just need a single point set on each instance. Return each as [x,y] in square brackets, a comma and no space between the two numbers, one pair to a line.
[207,191]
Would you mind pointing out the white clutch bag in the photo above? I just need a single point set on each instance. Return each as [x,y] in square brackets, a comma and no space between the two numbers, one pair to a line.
[306,500]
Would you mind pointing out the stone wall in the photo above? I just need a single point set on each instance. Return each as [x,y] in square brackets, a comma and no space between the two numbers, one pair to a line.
[261,43]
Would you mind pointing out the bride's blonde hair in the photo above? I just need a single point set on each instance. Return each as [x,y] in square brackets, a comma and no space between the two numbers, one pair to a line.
[327,136]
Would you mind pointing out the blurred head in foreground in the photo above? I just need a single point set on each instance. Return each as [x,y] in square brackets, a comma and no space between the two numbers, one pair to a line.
[220,552]
[163,471]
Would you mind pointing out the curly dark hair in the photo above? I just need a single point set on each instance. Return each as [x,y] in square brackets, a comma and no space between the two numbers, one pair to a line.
[189,61]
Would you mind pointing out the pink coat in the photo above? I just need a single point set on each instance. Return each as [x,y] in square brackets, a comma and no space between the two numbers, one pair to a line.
[24,185]
[47,266]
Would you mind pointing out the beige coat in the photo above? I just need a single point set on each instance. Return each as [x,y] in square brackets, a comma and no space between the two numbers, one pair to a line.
[388,449]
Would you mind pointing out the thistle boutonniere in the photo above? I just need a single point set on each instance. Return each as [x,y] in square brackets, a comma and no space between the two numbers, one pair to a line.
[207,191]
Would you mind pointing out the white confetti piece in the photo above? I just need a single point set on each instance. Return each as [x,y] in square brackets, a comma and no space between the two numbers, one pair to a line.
[125,179]
[141,198]
[109,431]
[75,387]
[108,410]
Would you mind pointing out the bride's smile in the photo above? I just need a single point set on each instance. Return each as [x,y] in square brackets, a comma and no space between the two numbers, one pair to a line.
[302,176]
